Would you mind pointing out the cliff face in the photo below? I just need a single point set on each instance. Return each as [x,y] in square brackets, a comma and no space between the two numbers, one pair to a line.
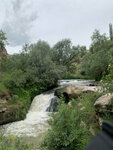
[3,53]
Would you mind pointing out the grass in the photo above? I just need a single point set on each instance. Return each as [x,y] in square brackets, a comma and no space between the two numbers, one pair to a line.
[14,143]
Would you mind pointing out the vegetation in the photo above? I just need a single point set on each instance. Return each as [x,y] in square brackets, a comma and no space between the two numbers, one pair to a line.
[3,39]
[96,61]
[70,126]
[13,143]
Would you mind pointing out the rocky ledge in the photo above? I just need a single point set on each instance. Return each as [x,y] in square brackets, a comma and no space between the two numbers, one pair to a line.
[74,91]
[104,106]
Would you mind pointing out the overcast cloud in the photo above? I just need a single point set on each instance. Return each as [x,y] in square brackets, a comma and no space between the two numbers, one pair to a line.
[26,21]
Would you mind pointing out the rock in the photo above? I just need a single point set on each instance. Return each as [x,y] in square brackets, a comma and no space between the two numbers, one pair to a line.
[3,110]
[100,121]
[74,91]
[92,131]
[53,105]
[2,101]
[9,114]
[104,103]
[70,105]
[3,53]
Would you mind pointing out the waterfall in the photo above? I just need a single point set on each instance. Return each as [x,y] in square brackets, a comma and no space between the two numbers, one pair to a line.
[37,116]
[36,119]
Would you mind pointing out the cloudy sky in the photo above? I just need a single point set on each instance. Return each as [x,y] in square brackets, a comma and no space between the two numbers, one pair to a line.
[26,21]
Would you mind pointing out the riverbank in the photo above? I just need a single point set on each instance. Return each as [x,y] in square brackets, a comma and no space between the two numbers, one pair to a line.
[35,123]
[34,128]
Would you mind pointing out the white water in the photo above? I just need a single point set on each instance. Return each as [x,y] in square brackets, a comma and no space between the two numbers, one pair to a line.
[36,119]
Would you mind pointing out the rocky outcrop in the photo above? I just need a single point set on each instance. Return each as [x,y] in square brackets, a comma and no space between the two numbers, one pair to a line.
[9,114]
[3,53]
[74,91]
[103,105]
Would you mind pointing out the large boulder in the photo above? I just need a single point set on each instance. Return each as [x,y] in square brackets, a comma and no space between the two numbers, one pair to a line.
[9,113]
[74,91]
[104,103]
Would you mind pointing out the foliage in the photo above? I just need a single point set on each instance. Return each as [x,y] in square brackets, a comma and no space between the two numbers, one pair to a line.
[3,39]
[64,52]
[13,143]
[67,132]
[85,106]
[111,31]
[32,67]
[107,80]
[95,62]
[97,41]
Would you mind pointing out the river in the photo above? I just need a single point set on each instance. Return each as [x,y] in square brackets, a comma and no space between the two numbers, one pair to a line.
[37,116]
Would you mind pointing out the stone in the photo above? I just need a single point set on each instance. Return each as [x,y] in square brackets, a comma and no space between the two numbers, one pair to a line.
[9,114]
[100,121]
[3,53]
[3,101]
[104,103]
[92,131]
[53,105]
[74,91]
[3,110]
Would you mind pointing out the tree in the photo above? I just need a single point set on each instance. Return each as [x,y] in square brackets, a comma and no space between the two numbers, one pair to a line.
[62,51]
[111,31]
[97,41]
[3,40]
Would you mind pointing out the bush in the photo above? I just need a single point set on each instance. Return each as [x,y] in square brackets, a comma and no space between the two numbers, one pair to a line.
[66,133]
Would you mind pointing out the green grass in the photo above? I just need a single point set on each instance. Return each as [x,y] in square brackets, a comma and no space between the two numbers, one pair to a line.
[14,143]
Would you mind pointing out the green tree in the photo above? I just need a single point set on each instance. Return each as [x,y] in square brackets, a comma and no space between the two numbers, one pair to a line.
[34,65]
[111,31]
[3,40]
[97,41]
[62,51]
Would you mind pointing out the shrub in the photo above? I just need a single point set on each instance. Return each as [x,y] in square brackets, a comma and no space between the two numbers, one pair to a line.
[66,133]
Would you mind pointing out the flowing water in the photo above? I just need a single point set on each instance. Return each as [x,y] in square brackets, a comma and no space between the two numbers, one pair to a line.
[36,119]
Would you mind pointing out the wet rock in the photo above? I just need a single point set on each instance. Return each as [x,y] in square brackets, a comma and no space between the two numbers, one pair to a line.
[74,91]
[9,114]
[53,105]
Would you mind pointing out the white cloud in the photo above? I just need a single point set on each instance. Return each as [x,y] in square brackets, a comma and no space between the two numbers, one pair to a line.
[52,20]
[19,21]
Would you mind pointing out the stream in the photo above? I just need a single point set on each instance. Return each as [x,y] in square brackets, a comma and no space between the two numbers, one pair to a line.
[37,116]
